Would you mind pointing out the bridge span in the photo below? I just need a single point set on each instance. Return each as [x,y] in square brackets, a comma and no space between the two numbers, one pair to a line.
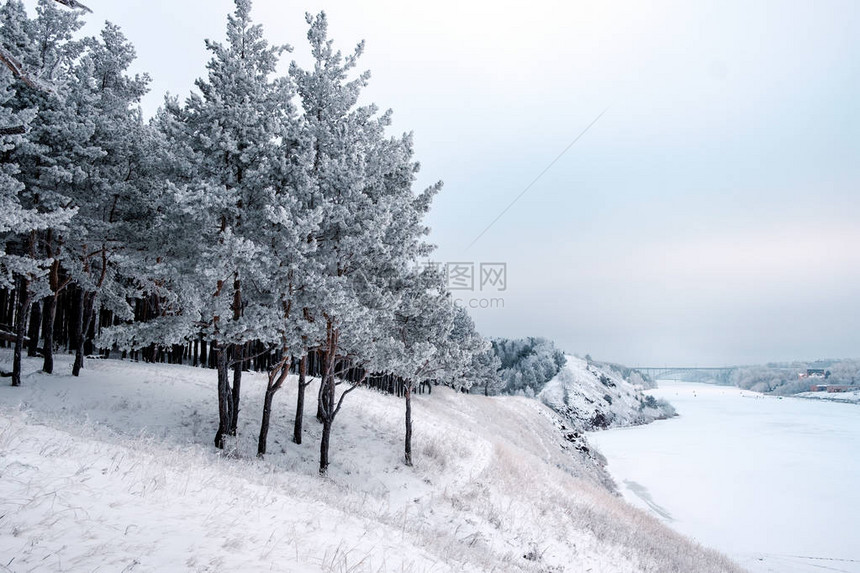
[719,374]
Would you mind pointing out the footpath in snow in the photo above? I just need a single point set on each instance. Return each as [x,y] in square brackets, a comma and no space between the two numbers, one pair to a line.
[772,482]
[115,471]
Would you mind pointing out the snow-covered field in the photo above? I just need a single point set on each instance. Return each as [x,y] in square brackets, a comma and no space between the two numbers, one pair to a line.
[772,482]
[115,472]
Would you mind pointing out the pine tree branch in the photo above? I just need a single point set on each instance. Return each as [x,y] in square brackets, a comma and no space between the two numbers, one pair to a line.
[345,392]
[75,5]
[15,66]
[14,130]
[17,69]
[234,362]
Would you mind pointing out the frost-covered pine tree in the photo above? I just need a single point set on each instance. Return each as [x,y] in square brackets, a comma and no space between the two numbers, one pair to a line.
[34,173]
[226,144]
[290,230]
[107,194]
[414,311]
[483,370]
[469,356]
[10,59]
[421,324]
[370,221]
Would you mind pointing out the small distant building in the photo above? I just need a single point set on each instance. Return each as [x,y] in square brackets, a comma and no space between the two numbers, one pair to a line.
[815,373]
[832,388]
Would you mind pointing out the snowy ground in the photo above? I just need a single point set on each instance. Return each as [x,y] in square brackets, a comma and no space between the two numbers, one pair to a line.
[772,482]
[115,472]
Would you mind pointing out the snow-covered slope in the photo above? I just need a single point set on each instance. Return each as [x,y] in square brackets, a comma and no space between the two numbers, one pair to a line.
[592,395]
[115,471]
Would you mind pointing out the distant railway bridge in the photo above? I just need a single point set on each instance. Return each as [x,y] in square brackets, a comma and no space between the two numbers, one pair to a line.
[688,374]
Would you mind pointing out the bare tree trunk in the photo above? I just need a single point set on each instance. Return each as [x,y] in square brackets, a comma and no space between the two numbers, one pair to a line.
[24,300]
[82,325]
[320,415]
[225,396]
[300,400]
[408,444]
[324,443]
[326,404]
[237,385]
[264,424]
[277,375]
[48,330]
[50,309]
[238,355]
[33,331]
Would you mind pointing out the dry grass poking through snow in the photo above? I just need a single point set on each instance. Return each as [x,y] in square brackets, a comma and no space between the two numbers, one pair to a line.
[115,472]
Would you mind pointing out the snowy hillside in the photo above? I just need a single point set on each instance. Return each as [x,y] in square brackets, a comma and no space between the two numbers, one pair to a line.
[115,471]
[593,395]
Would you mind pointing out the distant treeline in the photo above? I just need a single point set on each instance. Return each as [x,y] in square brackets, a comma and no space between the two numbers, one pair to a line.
[527,364]
[790,378]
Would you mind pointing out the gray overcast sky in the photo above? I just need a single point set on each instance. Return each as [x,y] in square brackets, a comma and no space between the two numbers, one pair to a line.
[712,216]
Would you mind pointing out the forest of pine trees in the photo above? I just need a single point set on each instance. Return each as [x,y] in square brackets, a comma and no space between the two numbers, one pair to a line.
[264,222]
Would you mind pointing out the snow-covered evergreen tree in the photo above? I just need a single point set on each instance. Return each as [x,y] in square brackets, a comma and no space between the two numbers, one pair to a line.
[39,163]
[370,225]
[468,363]
[227,144]
[107,194]
[421,324]
[527,363]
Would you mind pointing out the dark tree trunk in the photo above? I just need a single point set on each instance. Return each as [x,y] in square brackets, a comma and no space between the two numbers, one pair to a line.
[320,413]
[225,396]
[408,448]
[277,375]
[33,331]
[238,355]
[82,324]
[327,404]
[24,300]
[264,424]
[9,308]
[4,294]
[48,330]
[50,318]
[237,386]
[324,442]
[300,400]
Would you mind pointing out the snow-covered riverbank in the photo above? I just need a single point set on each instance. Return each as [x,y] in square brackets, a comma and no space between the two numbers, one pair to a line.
[772,482]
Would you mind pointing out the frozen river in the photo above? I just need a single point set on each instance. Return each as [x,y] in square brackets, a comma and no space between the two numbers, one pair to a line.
[773,483]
